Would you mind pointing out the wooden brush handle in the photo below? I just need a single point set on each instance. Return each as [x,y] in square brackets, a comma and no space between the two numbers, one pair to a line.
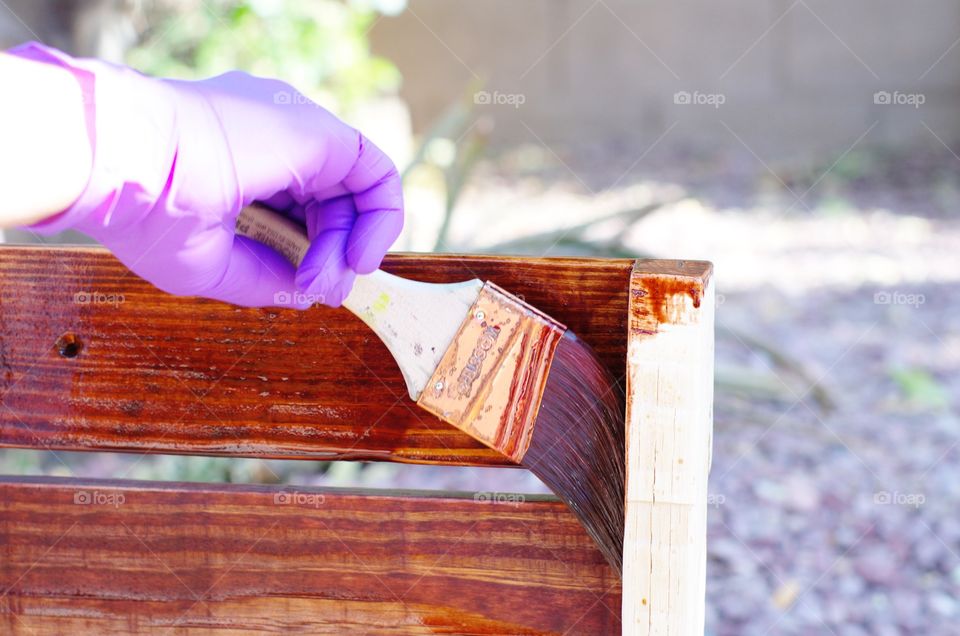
[287,237]
[417,321]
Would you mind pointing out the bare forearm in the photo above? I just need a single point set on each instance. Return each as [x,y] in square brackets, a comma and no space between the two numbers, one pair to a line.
[45,155]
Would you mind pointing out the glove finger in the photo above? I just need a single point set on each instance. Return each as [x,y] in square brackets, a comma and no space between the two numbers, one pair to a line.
[378,197]
[371,237]
[324,273]
[333,214]
[257,276]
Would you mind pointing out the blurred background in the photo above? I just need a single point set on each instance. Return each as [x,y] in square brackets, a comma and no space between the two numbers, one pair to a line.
[808,148]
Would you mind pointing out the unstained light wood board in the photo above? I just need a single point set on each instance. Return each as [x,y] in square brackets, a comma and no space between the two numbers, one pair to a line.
[669,438]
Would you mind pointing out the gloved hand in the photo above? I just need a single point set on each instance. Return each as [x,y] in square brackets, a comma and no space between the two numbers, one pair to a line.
[175,161]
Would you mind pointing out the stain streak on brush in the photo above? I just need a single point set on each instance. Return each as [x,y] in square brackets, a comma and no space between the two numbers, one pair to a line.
[504,349]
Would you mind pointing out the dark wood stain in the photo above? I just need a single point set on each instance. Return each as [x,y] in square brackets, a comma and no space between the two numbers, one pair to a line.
[158,373]
[104,557]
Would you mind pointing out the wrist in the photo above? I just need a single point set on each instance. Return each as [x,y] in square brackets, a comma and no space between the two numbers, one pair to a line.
[128,122]
[47,156]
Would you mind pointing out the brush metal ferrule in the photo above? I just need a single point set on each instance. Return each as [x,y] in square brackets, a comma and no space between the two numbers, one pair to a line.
[490,380]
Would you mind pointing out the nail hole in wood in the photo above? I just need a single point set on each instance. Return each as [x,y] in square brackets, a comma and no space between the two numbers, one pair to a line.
[69,345]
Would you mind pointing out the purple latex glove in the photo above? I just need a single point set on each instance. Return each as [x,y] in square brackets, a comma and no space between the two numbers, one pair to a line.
[175,161]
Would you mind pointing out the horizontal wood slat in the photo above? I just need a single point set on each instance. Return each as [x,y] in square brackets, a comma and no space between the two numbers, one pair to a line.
[157,373]
[99,557]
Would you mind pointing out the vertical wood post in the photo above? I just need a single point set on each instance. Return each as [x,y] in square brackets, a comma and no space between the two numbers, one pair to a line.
[669,437]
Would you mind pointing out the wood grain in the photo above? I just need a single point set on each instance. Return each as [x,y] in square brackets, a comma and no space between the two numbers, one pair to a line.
[151,372]
[99,557]
[669,437]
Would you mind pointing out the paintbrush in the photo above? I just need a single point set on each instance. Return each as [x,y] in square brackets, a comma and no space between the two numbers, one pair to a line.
[501,371]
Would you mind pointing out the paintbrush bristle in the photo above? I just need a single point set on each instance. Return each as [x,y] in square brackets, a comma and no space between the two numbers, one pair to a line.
[577,447]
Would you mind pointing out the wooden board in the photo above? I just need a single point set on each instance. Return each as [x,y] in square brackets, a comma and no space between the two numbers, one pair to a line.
[669,436]
[98,557]
[157,373]
[91,357]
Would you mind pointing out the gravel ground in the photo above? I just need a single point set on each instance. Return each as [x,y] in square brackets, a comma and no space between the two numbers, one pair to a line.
[842,522]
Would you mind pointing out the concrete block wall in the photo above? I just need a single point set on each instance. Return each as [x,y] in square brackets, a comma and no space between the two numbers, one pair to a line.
[795,76]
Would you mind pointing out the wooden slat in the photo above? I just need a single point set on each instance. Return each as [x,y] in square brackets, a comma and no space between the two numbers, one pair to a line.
[669,435]
[99,557]
[157,373]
